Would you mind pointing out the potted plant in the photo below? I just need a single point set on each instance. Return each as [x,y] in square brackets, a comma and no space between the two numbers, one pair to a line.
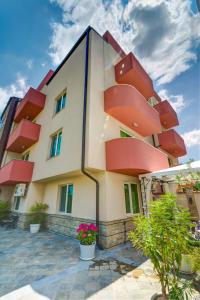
[37,216]
[87,234]
[163,237]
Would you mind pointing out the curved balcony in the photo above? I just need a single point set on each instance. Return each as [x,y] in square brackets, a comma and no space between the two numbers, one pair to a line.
[127,105]
[131,156]
[172,142]
[16,171]
[24,136]
[130,71]
[168,116]
[31,105]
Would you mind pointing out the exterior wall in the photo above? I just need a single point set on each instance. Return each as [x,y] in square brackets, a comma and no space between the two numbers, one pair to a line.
[100,126]
[114,222]
[70,77]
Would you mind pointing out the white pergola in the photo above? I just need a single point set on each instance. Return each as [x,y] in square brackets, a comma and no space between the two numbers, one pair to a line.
[165,174]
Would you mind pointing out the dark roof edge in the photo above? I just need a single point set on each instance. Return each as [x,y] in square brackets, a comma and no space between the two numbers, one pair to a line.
[7,104]
[88,29]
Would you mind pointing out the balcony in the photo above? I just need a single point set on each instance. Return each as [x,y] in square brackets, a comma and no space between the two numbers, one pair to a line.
[172,142]
[31,105]
[131,156]
[127,105]
[130,71]
[24,136]
[16,171]
[110,40]
[168,116]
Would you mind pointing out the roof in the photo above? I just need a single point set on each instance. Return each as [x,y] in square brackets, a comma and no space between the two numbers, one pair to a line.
[72,51]
[173,171]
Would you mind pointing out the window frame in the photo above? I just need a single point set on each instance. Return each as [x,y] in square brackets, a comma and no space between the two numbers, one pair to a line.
[63,103]
[131,213]
[66,199]
[52,136]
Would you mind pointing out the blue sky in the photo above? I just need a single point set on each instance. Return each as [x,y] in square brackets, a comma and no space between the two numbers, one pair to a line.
[164,35]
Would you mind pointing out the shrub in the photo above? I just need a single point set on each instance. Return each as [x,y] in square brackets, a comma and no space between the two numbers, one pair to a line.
[37,213]
[87,233]
[163,237]
[4,209]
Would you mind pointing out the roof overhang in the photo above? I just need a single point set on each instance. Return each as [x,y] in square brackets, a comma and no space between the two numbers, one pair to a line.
[173,171]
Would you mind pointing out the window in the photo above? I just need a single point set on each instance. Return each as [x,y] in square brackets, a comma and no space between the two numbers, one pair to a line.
[56,140]
[66,195]
[131,198]
[60,102]
[16,202]
[124,134]
[25,156]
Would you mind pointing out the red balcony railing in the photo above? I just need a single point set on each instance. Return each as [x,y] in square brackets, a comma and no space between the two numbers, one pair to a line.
[31,105]
[132,156]
[24,136]
[168,116]
[130,71]
[16,171]
[127,105]
[172,142]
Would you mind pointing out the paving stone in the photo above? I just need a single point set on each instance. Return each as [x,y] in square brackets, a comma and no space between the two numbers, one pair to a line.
[47,266]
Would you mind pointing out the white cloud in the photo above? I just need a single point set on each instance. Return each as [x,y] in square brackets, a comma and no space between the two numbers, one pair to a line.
[177,101]
[161,33]
[29,63]
[18,89]
[192,138]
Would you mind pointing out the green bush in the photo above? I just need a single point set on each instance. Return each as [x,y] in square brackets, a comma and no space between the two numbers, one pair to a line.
[163,237]
[37,213]
[4,209]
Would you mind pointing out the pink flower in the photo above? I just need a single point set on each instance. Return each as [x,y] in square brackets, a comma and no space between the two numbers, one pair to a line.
[84,235]
[93,227]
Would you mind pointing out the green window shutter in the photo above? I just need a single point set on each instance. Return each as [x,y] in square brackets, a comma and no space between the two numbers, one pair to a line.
[63,193]
[58,105]
[17,202]
[135,201]
[64,100]
[124,134]
[127,198]
[69,198]
[59,137]
[53,146]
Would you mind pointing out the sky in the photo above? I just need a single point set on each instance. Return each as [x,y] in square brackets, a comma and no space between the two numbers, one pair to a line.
[163,34]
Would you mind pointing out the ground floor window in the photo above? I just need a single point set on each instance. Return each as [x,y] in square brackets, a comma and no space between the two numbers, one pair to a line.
[17,202]
[66,196]
[131,198]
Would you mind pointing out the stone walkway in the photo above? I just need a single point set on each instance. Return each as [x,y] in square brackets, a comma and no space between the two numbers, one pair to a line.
[46,266]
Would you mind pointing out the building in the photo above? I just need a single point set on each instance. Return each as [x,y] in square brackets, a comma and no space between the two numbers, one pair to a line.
[79,141]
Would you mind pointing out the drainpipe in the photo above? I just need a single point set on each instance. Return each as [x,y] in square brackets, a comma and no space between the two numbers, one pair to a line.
[84,131]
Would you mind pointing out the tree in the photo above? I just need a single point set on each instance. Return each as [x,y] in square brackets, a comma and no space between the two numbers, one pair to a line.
[163,237]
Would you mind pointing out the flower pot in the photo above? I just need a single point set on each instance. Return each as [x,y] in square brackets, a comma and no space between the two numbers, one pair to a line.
[87,252]
[186,264]
[34,228]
